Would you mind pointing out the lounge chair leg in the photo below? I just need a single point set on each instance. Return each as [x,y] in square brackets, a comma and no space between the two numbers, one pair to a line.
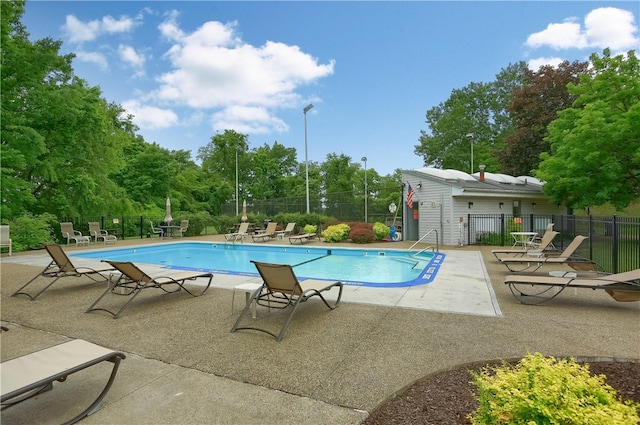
[95,406]
[33,297]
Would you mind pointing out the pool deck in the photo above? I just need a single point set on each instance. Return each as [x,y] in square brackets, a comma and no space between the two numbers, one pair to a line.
[183,366]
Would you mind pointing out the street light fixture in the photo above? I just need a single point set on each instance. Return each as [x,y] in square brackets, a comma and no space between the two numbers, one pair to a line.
[470,136]
[366,193]
[306,153]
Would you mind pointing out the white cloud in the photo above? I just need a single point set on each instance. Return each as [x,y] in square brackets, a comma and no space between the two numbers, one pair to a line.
[112,26]
[150,117]
[603,27]
[93,57]
[212,68]
[129,55]
[79,31]
[535,64]
[247,119]
[613,28]
[169,28]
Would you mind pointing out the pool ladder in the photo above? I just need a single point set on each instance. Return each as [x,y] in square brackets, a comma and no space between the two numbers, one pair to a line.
[431,247]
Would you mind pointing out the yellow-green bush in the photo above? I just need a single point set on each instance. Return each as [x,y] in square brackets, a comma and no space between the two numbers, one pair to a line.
[540,390]
[336,233]
[310,228]
[381,230]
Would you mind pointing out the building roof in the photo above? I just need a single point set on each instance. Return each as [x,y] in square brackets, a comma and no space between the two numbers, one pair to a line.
[492,182]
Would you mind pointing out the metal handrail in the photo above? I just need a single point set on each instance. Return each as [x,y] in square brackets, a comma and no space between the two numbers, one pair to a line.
[420,240]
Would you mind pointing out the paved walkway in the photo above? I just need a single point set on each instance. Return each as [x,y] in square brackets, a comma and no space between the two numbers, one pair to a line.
[332,367]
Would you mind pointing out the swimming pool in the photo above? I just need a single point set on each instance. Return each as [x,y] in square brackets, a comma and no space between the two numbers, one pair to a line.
[366,267]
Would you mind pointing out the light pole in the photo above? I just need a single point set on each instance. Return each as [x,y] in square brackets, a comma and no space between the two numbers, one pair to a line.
[366,194]
[470,136]
[306,152]
[237,181]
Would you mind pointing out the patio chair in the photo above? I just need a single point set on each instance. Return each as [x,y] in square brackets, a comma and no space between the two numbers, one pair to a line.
[61,266]
[622,287]
[302,238]
[133,280]
[286,231]
[69,233]
[184,225]
[538,239]
[269,233]
[156,230]
[544,247]
[29,375]
[531,263]
[5,238]
[281,289]
[99,234]
[241,233]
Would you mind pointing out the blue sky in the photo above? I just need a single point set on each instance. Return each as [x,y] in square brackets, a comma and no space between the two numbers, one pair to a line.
[186,69]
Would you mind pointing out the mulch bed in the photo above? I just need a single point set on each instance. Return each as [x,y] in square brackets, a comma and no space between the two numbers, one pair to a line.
[448,397]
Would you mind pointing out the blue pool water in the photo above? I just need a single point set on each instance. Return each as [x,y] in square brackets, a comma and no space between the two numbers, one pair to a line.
[369,267]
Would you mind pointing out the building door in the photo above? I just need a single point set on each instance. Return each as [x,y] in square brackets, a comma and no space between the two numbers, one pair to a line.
[410,229]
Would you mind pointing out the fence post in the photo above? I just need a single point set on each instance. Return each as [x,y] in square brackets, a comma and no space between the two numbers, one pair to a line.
[502,229]
[141,229]
[531,228]
[614,250]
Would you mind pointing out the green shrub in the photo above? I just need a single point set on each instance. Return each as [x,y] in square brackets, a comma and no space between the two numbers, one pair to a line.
[540,390]
[381,230]
[361,234]
[197,222]
[336,233]
[310,228]
[31,232]
[489,238]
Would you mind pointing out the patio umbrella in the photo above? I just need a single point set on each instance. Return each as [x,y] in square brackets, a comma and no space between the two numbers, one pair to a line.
[167,218]
[244,211]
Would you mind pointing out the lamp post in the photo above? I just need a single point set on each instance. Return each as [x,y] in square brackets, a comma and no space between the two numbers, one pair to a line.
[366,194]
[237,181]
[470,136]
[306,154]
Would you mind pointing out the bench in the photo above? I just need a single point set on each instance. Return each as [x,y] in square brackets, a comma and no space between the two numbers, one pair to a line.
[32,374]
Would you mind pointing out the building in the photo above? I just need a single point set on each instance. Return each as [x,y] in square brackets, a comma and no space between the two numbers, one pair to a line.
[443,201]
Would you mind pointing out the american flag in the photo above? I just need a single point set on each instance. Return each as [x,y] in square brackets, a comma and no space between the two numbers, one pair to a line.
[410,196]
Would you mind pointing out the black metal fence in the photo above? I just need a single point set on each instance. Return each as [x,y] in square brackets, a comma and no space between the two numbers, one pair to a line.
[124,227]
[344,206]
[614,241]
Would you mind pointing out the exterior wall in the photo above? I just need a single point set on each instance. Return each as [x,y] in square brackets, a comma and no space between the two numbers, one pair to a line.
[443,204]
[435,210]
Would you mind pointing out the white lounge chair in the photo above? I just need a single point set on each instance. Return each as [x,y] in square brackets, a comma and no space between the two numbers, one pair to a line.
[5,239]
[29,375]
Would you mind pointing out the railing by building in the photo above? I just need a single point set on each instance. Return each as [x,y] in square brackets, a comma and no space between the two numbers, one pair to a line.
[613,241]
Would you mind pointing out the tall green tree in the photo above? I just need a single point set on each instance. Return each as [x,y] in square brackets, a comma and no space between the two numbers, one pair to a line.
[21,146]
[595,144]
[218,159]
[60,139]
[532,108]
[270,168]
[475,114]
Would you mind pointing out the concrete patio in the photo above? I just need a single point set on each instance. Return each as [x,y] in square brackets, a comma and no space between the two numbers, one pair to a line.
[183,366]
